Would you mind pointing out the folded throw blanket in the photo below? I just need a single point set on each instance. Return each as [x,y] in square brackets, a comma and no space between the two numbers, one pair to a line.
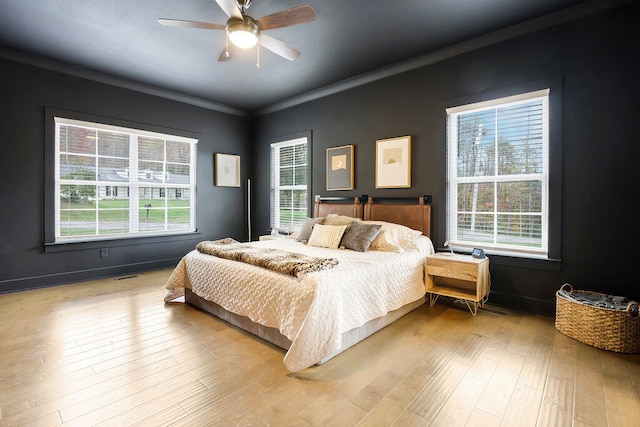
[596,300]
[289,263]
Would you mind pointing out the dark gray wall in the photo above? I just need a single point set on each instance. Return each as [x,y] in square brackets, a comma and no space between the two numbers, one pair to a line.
[596,60]
[595,64]
[25,92]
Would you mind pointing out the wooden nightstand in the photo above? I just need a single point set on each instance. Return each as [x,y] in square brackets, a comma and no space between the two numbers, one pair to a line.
[458,276]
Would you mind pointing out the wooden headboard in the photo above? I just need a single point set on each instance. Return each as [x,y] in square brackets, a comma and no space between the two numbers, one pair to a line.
[339,206]
[412,213]
[415,216]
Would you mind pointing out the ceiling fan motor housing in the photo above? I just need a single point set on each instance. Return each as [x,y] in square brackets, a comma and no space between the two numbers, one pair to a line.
[245,28]
[243,4]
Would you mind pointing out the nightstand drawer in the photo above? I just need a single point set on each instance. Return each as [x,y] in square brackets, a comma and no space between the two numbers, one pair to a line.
[453,269]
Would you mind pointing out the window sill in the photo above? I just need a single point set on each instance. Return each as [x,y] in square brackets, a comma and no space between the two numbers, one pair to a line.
[531,261]
[117,242]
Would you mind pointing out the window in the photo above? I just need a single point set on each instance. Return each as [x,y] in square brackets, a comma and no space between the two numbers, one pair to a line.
[289,184]
[498,175]
[112,181]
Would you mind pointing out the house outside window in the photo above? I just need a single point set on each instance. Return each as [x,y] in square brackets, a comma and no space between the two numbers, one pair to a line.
[289,184]
[111,191]
[106,177]
[498,175]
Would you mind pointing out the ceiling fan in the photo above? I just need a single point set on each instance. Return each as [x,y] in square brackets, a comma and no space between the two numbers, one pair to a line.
[244,31]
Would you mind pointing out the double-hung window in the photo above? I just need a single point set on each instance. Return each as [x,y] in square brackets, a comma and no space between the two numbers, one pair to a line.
[115,182]
[289,184]
[498,175]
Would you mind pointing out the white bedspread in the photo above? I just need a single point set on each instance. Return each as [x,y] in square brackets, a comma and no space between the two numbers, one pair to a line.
[315,310]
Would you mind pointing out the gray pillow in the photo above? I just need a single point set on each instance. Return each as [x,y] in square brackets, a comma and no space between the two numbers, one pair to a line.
[359,236]
[307,228]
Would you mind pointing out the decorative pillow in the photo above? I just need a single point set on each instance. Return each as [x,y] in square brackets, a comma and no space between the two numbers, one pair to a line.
[333,219]
[326,236]
[359,236]
[392,237]
[307,227]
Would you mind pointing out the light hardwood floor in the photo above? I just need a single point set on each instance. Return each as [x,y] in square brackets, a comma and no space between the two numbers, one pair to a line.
[111,353]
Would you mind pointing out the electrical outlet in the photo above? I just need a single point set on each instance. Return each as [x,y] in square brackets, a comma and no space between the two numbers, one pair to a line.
[104,253]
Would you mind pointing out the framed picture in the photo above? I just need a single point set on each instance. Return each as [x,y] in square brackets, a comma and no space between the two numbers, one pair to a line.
[227,170]
[393,162]
[340,168]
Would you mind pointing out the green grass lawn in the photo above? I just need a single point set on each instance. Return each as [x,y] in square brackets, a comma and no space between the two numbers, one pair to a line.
[118,210]
[288,216]
[178,215]
[122,203]
[78,218]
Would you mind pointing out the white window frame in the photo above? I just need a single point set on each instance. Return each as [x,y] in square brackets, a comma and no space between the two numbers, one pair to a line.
[132,185]
[453,180]
[275,182]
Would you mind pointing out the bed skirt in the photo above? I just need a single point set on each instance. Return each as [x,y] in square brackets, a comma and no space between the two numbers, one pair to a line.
[273,335]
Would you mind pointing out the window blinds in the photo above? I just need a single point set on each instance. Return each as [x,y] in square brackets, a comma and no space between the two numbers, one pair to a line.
[289,186]
[498,174]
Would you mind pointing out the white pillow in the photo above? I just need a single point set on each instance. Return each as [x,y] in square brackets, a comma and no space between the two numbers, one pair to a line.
[392,237]
[334,219]
[421,244]
[326,236]
[295,235]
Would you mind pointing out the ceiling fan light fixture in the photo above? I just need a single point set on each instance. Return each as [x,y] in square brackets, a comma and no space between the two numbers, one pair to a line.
[242,33]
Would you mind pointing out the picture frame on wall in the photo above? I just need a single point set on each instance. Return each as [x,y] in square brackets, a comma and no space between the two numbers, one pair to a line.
[340,168]
[393,162]
[227,170]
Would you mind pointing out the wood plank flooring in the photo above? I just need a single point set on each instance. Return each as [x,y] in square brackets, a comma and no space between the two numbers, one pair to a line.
[111,353]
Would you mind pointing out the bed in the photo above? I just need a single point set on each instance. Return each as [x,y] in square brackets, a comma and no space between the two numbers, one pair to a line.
[320,314]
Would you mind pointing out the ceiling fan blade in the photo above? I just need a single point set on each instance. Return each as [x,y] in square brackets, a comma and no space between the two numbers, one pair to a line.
[227,53]
[279,47]
[190,24]
[230,8]
[287,18]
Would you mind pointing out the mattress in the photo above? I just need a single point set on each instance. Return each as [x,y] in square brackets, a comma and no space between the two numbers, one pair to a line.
[316,312]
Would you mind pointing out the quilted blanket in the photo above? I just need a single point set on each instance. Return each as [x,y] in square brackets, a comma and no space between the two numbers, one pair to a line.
[291,263]
[312,311]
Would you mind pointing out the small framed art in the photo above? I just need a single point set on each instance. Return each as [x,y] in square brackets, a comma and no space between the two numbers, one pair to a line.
[393,162]
[227,170]
[340,168]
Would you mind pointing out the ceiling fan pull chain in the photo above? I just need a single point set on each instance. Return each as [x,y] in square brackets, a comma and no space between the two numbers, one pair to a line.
[226,44]
[258,54]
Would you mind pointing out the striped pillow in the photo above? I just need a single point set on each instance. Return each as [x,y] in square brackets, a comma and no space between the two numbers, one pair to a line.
[326,236]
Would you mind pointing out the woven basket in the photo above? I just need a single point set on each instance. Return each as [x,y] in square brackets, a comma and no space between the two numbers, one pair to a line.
[605,328]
